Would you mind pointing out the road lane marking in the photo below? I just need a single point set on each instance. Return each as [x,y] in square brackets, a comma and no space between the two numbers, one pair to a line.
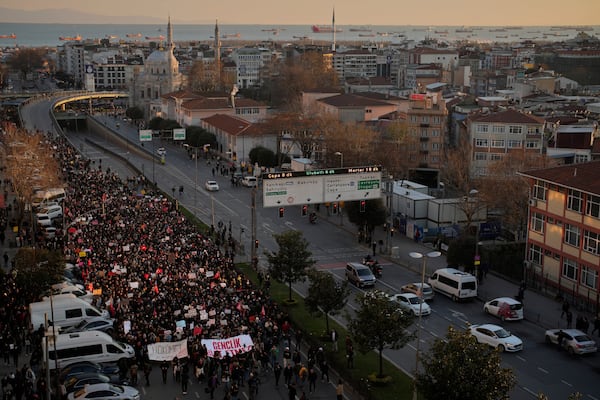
[566,383]
[521,358]
[592,397]
[542,370]
[530,391]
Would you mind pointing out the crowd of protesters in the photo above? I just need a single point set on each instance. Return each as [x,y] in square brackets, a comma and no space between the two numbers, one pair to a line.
[150,268]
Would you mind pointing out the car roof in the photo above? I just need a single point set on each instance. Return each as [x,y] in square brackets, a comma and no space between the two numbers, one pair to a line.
[407,295]
[571,332]
[508,300]
[491,327]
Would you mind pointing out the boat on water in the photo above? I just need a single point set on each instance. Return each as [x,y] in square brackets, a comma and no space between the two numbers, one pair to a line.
[112,37]
[366,35]
[134,35]
[11,36]
[324,29]
[76,38]
[441,32]
[159,37]
[231,35]
[301,37]
[361,29]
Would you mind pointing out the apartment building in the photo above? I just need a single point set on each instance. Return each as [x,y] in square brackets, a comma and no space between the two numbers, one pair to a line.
[494,135]
[249,63]
[355,63]
[427,115]
[563,240]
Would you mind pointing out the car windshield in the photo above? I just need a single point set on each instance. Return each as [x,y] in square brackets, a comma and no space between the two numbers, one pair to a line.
[516,306]
[81,324]
[364,272]
[502,333]
[468,285]
[583,338]
[414,300]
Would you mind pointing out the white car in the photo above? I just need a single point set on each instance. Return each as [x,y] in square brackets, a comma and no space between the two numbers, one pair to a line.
[52,211]
[497,337]
[508,309]
[49,232]
[573,340]
[105,391]
[161,151]
[43,220]
[415,288]
[411,302]
[211,186]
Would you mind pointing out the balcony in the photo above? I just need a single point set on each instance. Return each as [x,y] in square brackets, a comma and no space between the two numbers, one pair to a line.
[423,125]
[423,139]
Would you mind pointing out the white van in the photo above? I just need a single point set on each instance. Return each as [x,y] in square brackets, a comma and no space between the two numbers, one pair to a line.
[94,346]
[63,311]
[46,196]
[249,181]
[453,283]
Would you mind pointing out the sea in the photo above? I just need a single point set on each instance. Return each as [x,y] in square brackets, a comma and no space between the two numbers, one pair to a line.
[48,35]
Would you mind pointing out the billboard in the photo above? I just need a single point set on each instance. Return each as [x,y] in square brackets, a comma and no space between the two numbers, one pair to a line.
[290,188]
[145,135]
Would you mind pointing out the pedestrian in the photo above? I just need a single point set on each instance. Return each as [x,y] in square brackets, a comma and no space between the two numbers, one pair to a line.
[292,391]
[565,308]
[133,373]
[6,259]
[569,319]
[287,374]
[339,390]
[334,340]
[325,371]
[350,356]
[185,377]
[585,324]
[312,380]
[374,246]
[180,191]
[213,382]
[596,324]
[147,371]
[277,371]
[164,368]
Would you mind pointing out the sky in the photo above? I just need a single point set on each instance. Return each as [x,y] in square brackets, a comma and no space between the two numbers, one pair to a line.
[347,12]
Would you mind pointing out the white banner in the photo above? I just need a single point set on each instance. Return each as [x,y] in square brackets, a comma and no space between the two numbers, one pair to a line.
[167,351]
[233,345]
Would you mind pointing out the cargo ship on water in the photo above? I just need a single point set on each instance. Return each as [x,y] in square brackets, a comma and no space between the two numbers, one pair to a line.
[70,38]
[11,36]
[325,29]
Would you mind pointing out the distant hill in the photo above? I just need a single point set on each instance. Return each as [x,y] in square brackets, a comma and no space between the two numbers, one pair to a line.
[66,16]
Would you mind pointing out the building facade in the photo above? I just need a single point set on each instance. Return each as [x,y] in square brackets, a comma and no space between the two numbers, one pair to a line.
[427,117]
[563,240]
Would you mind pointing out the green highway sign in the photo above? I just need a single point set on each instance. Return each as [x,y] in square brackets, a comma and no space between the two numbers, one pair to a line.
[369,184]
[145,135]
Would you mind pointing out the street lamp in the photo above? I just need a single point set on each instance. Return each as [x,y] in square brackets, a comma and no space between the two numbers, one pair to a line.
[341,156]
[414,254]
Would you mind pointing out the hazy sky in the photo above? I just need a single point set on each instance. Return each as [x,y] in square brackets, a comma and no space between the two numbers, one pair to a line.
[347,12]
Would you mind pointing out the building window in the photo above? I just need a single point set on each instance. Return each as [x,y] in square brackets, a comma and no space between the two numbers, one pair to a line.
[413,118]
[435,133]
[481,142]
[496,157]
[498,128]
[425,119]
[532,144]
[480,128]
[569,269]
[498,143]
[515,129]
[591,242]
[592,207]
[589,277]
[540,190]
[575,200]
[423,132]
[537,222]
[435,146]
[536,254]
[515,144]
[572,235]
[533,129]
[480,156]
[436,120]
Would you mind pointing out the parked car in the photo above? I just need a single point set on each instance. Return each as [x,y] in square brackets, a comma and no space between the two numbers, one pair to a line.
[43,220]
[161,151]
[105,391]
[497,337]
[211,186]
[52,211]
[93,324]
[84,367]
[412,303]
[507,308]
[572,340]
[49,232]
[415,288]
[78,382]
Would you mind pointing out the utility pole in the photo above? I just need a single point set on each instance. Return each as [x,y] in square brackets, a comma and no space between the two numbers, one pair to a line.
[253,210]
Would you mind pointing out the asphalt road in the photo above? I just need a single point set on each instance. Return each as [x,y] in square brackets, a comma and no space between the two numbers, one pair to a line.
[539,368]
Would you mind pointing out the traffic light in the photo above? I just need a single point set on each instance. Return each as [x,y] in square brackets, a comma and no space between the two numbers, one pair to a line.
[304,210]
[281,210]
[363,205]
[256,244]
[335,208]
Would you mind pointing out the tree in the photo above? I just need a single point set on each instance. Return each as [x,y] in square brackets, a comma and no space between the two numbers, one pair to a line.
[203,76]
[27,60]
[263,156]
[197,136]
[325,294]
[374,215]
[291,262]
[459,361]
[37,269]
[379,324]
[135,113]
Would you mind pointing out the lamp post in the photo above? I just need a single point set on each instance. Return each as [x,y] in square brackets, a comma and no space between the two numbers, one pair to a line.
[414,254]
[341,156]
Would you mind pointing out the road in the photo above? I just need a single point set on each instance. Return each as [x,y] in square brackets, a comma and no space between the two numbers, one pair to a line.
[539,368]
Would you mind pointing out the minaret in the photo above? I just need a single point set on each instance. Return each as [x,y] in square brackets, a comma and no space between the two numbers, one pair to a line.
[217,49]
[333,26]
[170,46]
